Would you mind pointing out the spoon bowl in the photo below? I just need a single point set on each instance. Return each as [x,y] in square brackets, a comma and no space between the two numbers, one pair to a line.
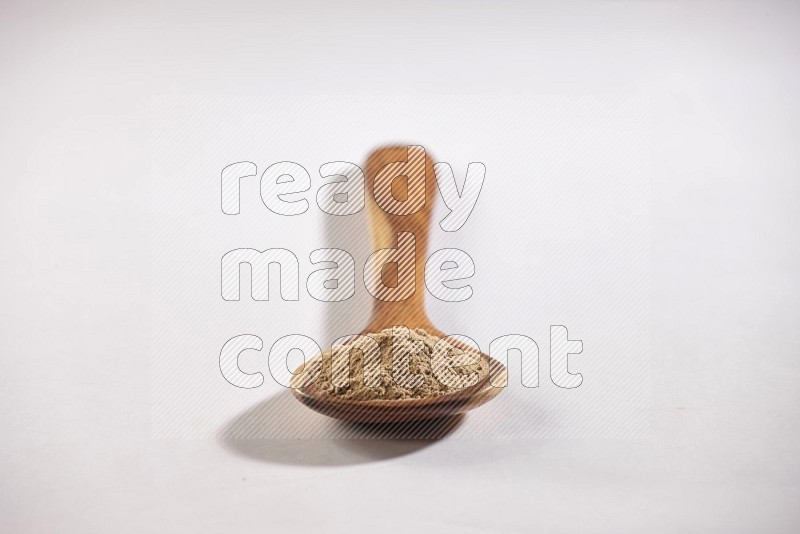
[393,411]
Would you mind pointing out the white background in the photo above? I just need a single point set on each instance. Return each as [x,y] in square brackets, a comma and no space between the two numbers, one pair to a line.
[81,451]
[559,235]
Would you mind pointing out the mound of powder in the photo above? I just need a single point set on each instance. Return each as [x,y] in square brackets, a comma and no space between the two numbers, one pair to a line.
[397,363]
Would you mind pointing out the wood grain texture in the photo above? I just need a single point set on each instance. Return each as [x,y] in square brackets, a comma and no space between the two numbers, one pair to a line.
[384,228]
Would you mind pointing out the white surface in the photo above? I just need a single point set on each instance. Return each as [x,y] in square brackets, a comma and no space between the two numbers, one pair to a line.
[78,450]
[559,235]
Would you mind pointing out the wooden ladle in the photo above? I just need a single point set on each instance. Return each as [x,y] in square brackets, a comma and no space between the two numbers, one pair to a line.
[409,312]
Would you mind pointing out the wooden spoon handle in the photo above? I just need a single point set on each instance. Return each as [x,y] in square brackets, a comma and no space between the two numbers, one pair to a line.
[401,188]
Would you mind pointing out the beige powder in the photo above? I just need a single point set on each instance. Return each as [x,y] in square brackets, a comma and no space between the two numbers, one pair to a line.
[397,364]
